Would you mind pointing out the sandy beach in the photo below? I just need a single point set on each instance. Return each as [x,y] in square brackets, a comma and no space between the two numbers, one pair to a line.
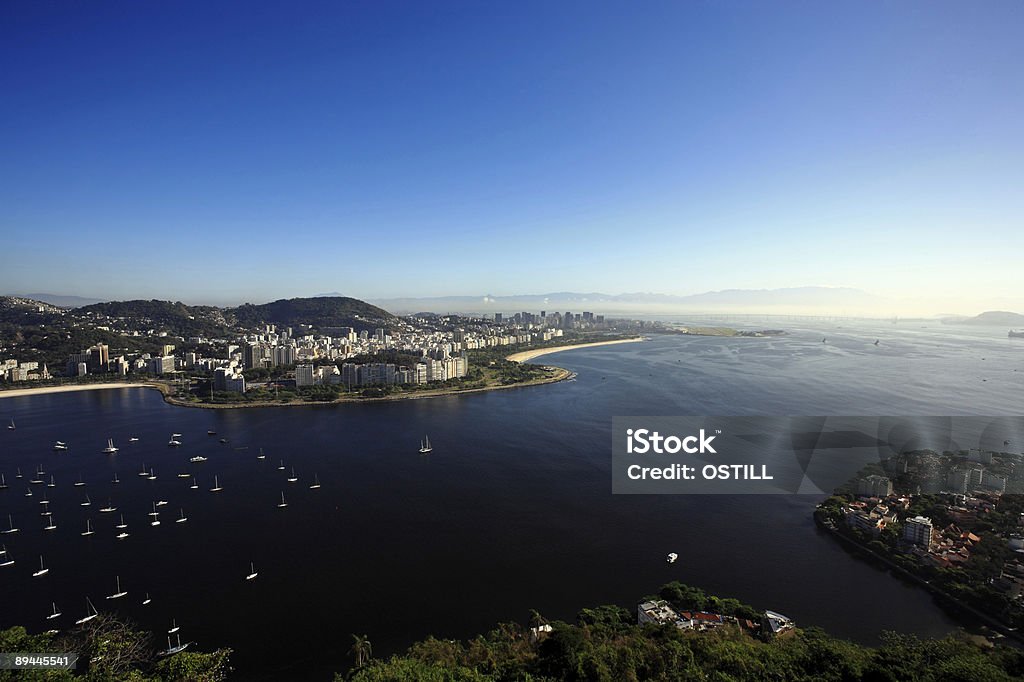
[41,390]
[527,355]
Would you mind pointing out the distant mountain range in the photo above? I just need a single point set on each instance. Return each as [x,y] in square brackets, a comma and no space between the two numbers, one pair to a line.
[826,300]
[61,300]
[997,318]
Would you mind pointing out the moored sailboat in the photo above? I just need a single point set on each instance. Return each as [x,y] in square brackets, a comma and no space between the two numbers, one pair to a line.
[89,616]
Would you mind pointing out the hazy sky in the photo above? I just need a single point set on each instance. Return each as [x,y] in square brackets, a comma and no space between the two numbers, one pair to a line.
[214,152]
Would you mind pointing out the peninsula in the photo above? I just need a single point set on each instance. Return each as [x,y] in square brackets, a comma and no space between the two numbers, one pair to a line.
[949,522]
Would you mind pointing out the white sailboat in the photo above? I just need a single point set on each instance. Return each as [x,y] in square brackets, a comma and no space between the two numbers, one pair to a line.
[133,439]
[282,504]
[194,486]
[252,571]
[3,482]
[88,528]
[60,445]
[43,570]
[184,474]
[161,503]
[144,471]
[11,529]
[38,479]
[156,516]
[425,446]
[56,613]
[174,442]
[52,483]
[316,483]
[86,503]
[197,458]
[122,524]
[17,473]
[174,627]
[109,508]
[115,480]
[182,519]
[171,650]
[293,477]
[146,600]
[280,467]
[7,560]
[51,524]
[120,593]
[216,485]
[89,616]
[28,492]
[79,483]
[11,427]
[261,455]
[110,449]
[122,535]
[151,476]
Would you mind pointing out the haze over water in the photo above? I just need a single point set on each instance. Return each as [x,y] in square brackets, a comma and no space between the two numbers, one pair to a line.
[511,511]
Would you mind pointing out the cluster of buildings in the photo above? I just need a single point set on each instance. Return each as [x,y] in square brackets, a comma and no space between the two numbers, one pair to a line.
[976,473]
[877,507]
[419,350]
[662,613]
[12,370]
[97,360]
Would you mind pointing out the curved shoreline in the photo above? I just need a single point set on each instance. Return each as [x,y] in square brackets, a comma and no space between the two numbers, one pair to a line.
[44,390]
[527,355]
[558,374]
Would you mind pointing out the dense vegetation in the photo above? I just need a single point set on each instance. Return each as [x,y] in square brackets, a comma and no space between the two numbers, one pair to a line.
[53,345]
[112,649]
[603,644]
[319,312]
[606,643]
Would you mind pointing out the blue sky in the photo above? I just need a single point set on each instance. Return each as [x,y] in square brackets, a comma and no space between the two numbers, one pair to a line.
[219,152]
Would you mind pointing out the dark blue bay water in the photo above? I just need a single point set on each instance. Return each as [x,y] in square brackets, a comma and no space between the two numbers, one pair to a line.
[512,511]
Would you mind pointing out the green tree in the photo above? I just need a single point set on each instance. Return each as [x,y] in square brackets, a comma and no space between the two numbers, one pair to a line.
[361,649]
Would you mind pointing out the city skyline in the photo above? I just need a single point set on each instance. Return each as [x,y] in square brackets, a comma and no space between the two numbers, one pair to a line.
[390,150]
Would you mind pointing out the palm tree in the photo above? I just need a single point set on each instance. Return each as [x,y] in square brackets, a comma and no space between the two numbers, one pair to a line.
[361,649]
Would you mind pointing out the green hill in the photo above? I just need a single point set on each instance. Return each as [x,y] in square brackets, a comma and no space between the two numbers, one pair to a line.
[319,312]
[174,318]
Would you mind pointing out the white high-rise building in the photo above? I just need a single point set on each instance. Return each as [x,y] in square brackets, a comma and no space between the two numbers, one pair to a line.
[918,530]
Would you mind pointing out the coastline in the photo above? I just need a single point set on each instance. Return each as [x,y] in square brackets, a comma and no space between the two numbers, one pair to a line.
[527,355]
[557,374]
[43,390]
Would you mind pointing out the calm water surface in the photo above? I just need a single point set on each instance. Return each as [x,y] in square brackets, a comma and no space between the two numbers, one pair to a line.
[511,511]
